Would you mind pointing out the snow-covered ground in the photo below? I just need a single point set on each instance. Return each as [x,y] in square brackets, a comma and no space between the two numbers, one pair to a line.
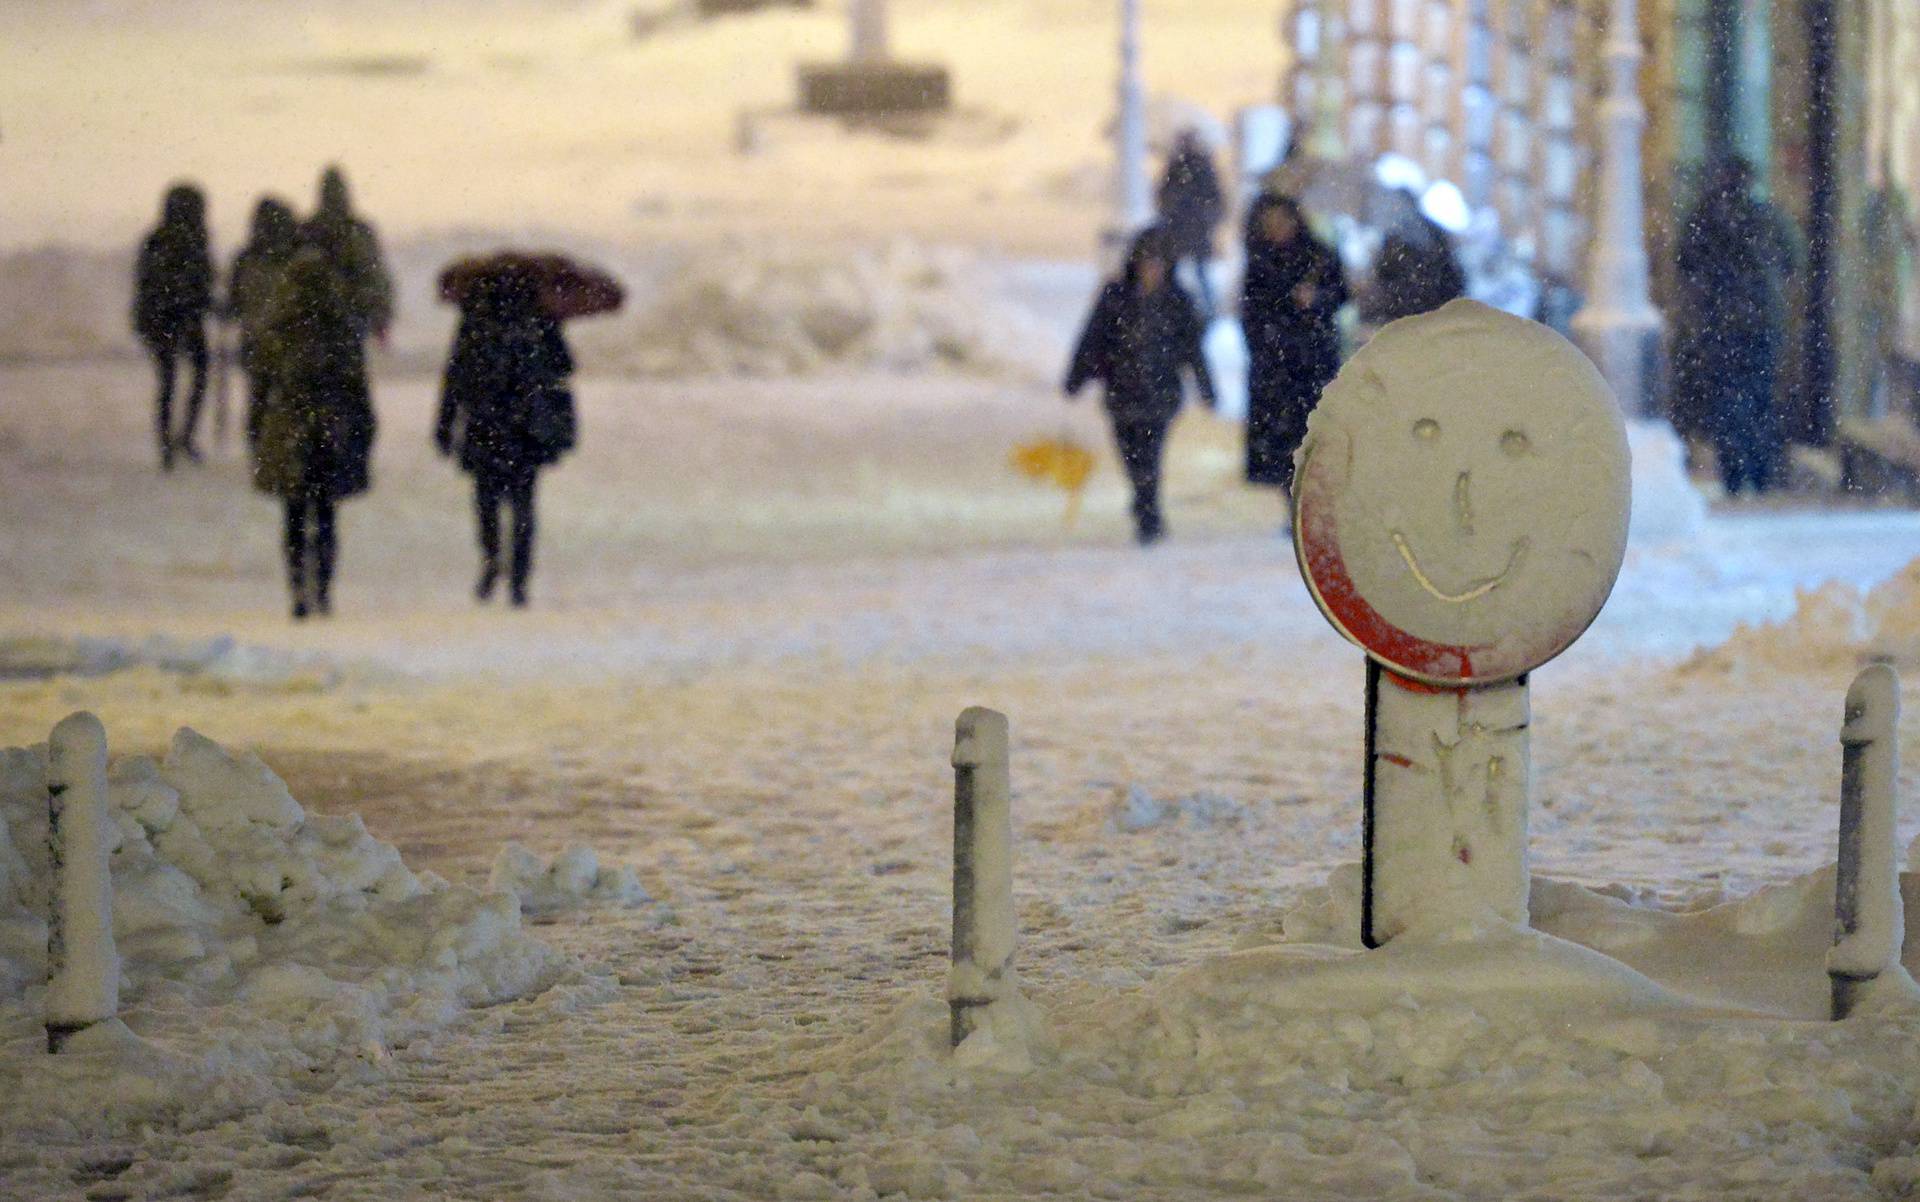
[740,677]
[721,736]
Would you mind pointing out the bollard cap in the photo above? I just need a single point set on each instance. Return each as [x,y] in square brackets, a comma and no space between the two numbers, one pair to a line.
[979,738]
[1873,705]
[79,734]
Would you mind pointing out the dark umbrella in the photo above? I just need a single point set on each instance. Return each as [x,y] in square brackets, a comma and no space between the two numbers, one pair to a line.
[567,289]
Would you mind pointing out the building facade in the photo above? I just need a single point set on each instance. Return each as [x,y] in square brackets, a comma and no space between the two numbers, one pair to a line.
[1501,97]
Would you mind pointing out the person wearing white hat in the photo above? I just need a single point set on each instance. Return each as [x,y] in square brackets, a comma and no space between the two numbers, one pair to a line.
[1417,269]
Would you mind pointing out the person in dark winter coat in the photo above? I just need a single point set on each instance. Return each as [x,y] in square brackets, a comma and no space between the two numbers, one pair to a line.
[315,443]
[1416,270]
[256,272]
[506,410]
[1734,257]
[1191,207]
[355,252]
[1143,330]
[172,295]
[1291,295]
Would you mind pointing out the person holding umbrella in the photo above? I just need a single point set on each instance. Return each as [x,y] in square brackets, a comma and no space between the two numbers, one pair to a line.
[1143,330]
[505,409]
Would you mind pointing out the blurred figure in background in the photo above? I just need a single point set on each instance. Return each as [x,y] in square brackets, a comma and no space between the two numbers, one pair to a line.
[256,272]
[1192,207]
[315,441]
[1888,245]
[354,250]
[1143,330]
[1417,269]
[505,408]
[1289,302]
[1734,257]
[172,295]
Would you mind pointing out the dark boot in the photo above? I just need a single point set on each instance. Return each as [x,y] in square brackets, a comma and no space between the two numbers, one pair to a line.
[325,550]
[486,508]
[296,553]
[520,502]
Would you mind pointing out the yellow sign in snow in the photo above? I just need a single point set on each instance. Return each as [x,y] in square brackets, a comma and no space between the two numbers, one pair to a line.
[1061,462]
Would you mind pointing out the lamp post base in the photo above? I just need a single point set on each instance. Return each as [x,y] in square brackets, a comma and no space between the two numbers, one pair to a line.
[874,89]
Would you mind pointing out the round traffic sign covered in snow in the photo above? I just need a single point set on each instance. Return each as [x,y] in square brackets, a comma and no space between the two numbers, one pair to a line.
[1461,503]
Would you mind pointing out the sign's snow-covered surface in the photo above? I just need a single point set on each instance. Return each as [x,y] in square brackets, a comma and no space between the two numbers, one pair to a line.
[1463,496]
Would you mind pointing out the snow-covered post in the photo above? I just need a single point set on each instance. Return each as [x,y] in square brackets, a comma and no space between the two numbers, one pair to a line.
[869,18]
[83,969]
[1619,327]
[1467,750]
[1460,513]
[983,928]
[1867,909]
[1133,202]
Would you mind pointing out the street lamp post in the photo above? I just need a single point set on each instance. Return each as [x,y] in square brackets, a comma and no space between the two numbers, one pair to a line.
[1619,327]
[1133,206]
[869,31]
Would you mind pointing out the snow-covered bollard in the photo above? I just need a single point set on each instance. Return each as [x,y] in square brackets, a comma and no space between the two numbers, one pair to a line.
[983,927]
[83,969]
[1868,915]
[1461,509]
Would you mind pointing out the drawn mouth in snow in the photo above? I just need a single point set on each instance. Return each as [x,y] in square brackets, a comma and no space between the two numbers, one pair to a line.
[1480,588]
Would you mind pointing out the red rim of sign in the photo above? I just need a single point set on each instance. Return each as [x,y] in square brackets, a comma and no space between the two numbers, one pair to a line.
[1324,569]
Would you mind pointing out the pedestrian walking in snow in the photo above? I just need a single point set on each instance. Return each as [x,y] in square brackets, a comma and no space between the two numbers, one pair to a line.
[506,410]
[317,426]
[1191,207]
[354,249]
[1143,330]
[1734,257]
[1416,270]
[172,295]
[256,272]
[1289,300]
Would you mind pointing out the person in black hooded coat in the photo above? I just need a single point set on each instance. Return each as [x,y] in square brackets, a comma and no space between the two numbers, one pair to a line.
[1191,207]
[506,409]
[172,295]
[1292,293]
[1416,271]
[1143,330]
[1734,256]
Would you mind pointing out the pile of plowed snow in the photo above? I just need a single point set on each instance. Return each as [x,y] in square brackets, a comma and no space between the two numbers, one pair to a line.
[1833,626]
[739,309]
[263,949]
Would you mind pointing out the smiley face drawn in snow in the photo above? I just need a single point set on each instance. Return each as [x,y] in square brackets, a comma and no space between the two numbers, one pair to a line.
[1462,496]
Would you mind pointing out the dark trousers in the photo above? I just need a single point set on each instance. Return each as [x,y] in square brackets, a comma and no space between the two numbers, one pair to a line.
[515,490]
[312,546]
[1746,433]
[256,404]
[1142,443]
[189,343]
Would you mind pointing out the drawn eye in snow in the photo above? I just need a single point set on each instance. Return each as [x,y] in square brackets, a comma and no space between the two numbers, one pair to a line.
[1463,495]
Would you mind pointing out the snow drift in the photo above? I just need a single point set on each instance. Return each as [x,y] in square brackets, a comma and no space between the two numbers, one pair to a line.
[751,309]
[263,948]
[1833,626]
[1619,1044]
